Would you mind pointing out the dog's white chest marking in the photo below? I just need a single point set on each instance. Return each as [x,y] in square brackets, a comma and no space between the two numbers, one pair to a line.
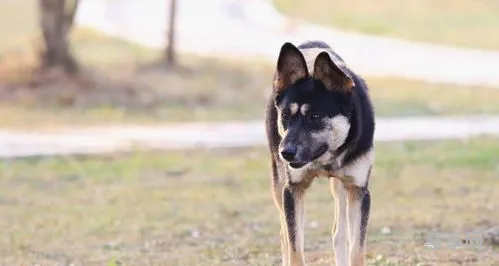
[298,175]
[355,173]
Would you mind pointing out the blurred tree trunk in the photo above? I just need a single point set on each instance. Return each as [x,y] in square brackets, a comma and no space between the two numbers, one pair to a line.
[170,56]
[56,21]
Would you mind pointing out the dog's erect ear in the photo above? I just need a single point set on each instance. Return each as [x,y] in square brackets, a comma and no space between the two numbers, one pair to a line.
[331,75]
[291,67]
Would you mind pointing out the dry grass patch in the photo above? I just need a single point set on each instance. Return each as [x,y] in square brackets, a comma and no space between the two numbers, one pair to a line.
[214,207]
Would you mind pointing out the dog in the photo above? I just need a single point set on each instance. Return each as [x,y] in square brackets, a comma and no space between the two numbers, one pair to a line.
[320,122]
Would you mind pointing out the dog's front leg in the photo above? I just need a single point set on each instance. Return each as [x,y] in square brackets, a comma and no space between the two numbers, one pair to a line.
[340,229]
[277,193]
[293,201]
[359,201]
[359,204]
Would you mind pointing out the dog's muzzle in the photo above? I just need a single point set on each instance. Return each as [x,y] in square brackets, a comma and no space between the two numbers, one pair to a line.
[289,153]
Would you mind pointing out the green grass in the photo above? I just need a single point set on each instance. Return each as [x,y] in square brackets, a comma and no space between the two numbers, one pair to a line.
[466,23]
[122,87]
[216,208]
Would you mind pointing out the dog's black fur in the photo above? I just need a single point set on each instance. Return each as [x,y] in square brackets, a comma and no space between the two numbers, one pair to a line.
[344,94]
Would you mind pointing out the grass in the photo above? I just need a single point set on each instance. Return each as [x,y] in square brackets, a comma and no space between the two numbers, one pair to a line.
[122,87]
[216,207]
[466,23]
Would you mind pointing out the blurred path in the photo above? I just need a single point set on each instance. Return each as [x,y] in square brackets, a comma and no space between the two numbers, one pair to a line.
[253,28]
[107,139]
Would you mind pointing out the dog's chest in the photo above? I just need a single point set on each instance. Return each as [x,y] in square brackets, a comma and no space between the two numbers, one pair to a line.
[313,170]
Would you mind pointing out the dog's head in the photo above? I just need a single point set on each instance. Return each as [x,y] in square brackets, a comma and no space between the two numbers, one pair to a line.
[314,104]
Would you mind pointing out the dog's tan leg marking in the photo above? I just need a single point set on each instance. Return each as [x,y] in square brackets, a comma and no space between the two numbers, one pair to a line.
[293,205]
[277,188]
[339,233]
[358,207]
[283,232]
[356,250]
[293,108]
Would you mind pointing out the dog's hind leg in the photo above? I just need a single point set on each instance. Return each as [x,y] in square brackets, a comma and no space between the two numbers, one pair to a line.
[277,191]
[340,240]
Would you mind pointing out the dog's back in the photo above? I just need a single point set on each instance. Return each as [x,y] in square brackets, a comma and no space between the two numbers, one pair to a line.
[311,49]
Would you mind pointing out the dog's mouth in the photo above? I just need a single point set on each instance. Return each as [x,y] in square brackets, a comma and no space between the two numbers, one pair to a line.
[317,154]
[323,149]
[296,165]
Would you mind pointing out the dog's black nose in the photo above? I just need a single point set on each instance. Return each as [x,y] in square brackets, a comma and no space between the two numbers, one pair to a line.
[289,153]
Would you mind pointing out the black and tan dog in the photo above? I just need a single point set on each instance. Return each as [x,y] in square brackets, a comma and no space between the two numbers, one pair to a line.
[320,122]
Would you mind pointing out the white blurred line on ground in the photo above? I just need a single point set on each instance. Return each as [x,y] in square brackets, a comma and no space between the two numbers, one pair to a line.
[230,28]
[109,139]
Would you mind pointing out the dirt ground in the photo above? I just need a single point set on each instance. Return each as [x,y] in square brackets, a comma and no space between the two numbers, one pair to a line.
[214,207]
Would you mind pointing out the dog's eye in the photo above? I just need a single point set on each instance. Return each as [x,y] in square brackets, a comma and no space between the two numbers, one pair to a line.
[284,116]
[314,117]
